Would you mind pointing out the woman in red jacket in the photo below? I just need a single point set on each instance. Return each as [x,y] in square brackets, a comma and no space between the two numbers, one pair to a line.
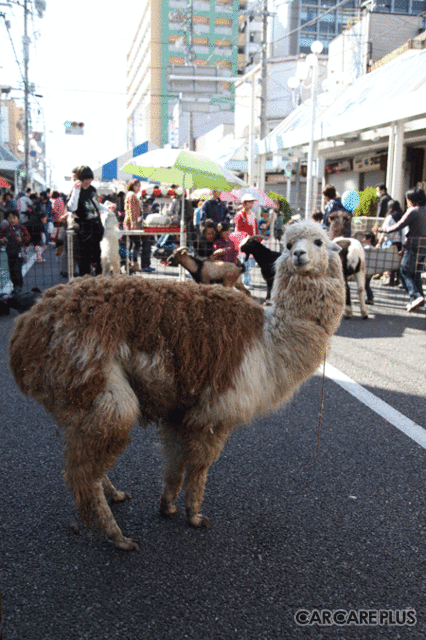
[246,222]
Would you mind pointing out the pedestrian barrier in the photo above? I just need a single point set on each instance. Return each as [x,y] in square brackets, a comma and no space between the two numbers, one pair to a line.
[389,295]
[381,260]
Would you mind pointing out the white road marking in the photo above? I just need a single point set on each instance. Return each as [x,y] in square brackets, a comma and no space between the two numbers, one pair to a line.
[397,419]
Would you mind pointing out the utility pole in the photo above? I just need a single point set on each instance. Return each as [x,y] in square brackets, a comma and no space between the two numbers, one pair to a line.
[25,42]
[263,70]
[263,89]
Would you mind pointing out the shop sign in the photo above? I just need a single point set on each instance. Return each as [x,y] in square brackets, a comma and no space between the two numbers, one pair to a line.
[367,163]
[339,166]
[274,178]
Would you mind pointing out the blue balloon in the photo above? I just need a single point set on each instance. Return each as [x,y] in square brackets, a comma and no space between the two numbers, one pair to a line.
[350,199]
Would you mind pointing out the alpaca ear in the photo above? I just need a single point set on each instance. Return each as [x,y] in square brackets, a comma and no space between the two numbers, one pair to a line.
[333,246]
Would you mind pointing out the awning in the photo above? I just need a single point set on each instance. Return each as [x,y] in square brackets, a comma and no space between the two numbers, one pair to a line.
[229,152]
[111,171]
[232,153]
[8,161]
[394,92]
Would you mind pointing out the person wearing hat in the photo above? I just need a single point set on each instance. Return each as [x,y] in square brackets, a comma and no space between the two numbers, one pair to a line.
[214,209]
[245,222]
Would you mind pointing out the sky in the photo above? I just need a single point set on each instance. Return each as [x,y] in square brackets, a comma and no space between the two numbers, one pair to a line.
[78,65]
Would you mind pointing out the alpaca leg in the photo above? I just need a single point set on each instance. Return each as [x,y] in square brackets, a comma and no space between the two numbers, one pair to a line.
[111,492]
[239,285]
[198,458]
[348,305]
[85,477]
[196,479]
[92,443]
[173,474]
[360,280]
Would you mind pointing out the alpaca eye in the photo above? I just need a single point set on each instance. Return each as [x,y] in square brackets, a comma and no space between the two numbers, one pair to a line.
[318,243]
[289,245]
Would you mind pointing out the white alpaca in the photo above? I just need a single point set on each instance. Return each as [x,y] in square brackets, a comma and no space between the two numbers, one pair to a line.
[352,256]
[110,249]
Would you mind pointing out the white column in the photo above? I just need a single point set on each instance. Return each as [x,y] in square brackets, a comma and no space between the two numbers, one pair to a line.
[398,167]
[389,171]
[251,132]
[315,179]
[308,202]
[261,174]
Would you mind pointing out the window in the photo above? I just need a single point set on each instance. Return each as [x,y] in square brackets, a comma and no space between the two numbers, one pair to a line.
[418,6]
[306,15]
[383,6]
[401,6]
[327,27]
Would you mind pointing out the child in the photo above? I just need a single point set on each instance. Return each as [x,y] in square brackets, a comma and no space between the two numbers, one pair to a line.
[36,228]
[223,247]
[264,223]
[205,247]
[16,236]
[317,216]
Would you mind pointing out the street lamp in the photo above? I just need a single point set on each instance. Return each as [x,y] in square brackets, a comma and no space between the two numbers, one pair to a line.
[311,63]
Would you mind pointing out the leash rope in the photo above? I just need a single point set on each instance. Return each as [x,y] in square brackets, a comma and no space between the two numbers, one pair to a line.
[320,415]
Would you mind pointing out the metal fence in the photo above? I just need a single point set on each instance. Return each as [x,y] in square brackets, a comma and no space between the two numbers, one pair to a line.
[389,294]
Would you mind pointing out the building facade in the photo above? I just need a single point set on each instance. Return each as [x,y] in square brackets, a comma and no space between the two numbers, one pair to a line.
[174,39]
[310,20]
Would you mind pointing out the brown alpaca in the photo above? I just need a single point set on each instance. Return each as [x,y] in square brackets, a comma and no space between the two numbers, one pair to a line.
[188,357]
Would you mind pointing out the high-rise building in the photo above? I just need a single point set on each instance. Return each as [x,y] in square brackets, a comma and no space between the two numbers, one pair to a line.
[176,46]
[310,20]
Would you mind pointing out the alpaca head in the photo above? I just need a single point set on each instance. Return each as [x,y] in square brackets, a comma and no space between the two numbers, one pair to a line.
[308,251]
[339,223]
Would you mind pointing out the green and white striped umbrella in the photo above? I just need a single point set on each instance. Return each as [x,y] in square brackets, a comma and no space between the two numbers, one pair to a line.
[185,168]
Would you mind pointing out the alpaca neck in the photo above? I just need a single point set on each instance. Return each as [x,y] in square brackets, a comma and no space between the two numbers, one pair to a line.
[304,304]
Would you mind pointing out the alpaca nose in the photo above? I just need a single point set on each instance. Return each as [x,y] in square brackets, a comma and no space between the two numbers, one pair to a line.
[300,257]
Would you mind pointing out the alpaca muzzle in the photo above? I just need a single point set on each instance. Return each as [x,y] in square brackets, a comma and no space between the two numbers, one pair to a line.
[300,258]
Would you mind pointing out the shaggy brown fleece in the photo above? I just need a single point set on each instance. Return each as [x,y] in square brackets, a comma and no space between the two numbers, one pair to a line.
[189,357]
[80,324]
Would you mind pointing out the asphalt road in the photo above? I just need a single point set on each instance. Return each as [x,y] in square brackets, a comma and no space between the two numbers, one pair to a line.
[347,533]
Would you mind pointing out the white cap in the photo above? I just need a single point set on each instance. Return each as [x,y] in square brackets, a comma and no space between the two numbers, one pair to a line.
[247,197]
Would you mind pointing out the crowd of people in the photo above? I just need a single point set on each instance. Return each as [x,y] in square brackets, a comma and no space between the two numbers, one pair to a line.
[39,218]
[215,229]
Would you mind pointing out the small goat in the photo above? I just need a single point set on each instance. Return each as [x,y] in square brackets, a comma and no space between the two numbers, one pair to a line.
[352,256]
[206,271]
[264,257]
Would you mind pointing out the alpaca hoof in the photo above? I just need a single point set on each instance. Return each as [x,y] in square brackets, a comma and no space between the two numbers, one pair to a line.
[167,510]
[199,521]
[121,496]
[365,317]
[126,544]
